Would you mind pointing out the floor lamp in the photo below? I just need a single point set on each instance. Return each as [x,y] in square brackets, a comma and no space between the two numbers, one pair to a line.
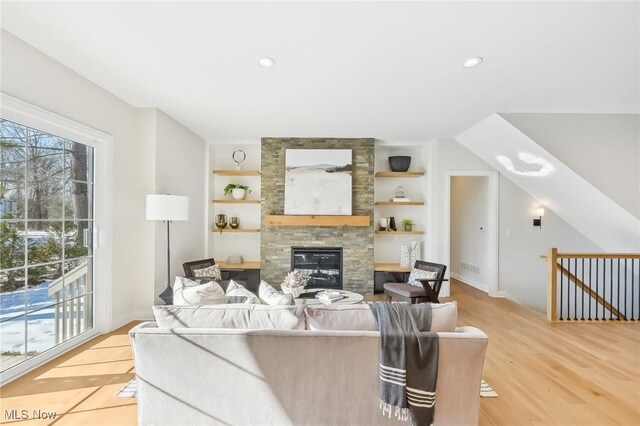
[167,208]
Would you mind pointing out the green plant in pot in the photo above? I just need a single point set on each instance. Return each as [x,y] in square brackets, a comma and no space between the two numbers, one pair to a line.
[408,224]
[237,191]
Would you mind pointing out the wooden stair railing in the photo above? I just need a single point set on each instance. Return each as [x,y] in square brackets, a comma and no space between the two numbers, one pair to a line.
[593,275]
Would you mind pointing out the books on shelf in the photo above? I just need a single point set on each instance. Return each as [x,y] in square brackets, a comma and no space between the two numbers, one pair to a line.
[329,296]
[401,200]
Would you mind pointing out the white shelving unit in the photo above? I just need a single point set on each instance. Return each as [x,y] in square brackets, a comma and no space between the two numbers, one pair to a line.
[244,241]
[387,245]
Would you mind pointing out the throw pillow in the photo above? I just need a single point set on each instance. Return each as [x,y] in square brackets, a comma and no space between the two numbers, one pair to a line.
[235,289]
[419,273]
[212,271]
[190,292]
[271,296]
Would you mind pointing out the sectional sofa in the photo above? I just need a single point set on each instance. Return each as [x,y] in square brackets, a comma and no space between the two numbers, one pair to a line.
[287,365]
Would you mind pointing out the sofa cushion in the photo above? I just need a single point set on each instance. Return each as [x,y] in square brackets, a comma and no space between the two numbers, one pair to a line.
[242,316]
[271,296]
[236,289]
[190,292]
[359,317]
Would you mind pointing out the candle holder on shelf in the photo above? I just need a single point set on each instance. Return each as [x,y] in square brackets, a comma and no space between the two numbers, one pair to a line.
[234,222]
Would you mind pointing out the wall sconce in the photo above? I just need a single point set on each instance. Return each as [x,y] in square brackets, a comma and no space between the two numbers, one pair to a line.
[537,221]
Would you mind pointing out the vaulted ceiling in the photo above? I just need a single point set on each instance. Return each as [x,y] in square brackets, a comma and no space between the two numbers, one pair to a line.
[390,70]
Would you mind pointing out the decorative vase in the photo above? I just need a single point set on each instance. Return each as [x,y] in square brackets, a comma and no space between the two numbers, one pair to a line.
[238,194]
[384,223]
[404,256]
[234,223]
[294,291]
[399,163]
[392,224]
[414,248]
[221,221]
[406,227]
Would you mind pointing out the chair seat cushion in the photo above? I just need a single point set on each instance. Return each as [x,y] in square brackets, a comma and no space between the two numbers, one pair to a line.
[405,290]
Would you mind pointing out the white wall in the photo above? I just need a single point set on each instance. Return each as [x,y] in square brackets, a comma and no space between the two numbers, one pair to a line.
[602,148]
[470,243]
[33,77]
[522,274]
[180,169]
[142,150]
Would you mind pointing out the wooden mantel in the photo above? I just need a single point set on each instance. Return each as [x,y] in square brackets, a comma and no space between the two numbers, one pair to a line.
[315,220]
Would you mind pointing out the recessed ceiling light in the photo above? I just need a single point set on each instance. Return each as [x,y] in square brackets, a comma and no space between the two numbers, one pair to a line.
[472,62]
[266,62]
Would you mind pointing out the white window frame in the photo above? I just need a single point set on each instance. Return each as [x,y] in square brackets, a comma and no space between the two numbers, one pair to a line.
[29,115]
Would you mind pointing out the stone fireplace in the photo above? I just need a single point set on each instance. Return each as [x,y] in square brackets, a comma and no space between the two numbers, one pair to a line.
[276,242]
[322,265]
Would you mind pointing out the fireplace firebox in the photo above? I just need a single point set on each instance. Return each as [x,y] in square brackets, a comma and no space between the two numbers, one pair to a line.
[323,265]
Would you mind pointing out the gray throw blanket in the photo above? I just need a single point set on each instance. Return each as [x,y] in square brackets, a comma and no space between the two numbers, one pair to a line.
[408,361]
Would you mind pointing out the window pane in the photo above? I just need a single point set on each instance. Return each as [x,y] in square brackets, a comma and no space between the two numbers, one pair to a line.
[12,347]
[78,277]
[45,198]
[40,331]
[11,244]
[78,200]
[78,239]
[45,154]
[12,194]
[12,294]
[45,286]
[44,242]
[13,140]
[78,162]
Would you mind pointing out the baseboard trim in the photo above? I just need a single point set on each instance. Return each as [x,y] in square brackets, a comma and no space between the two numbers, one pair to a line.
[470,281]
[132,316]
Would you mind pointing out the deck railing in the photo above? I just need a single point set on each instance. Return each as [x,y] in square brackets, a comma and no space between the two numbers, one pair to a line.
[593,286]
[74,316]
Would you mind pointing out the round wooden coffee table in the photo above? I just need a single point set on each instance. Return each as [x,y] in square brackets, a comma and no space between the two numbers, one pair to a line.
[308,297]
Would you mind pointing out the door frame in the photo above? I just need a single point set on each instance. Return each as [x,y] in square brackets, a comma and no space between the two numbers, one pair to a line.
[21,112]
[493,222]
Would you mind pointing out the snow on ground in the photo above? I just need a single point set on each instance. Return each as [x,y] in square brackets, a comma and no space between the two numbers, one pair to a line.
[41,327]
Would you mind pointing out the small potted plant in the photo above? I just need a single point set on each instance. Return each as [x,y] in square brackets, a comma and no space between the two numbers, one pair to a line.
[237,191]
[408,224]
[294,283]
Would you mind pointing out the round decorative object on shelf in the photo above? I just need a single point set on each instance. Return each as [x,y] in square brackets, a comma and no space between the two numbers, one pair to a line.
[221,221]
[238,156]
[399,163]
[400,192]
[234,223]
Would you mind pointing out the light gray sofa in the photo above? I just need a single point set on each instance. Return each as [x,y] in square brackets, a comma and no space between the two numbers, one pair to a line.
[194,376]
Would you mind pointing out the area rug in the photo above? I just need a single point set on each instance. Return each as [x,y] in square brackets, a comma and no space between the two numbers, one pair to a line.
[487,391]
[130,390]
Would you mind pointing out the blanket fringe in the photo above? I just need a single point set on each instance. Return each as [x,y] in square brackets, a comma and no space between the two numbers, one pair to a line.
[400,413]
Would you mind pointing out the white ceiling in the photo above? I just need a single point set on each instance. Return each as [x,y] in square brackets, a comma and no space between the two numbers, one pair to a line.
[388,70]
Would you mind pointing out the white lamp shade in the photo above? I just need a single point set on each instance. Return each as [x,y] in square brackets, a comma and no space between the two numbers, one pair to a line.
[167,207]
[540,211]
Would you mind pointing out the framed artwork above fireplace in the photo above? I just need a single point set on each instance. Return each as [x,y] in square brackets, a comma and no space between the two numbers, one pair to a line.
[318,182]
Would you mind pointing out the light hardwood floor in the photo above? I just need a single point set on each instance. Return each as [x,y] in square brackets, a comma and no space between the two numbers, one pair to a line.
[545,374]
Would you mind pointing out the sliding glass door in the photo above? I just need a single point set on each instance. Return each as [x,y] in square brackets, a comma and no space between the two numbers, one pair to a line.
[46,241]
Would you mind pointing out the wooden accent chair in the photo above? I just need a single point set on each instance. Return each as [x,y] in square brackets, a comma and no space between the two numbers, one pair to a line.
[414,294]
[196,264]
